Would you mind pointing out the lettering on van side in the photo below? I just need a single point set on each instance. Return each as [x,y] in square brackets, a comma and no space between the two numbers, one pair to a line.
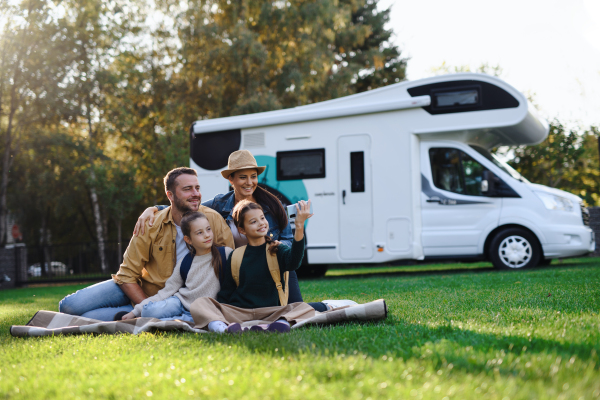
[324,194]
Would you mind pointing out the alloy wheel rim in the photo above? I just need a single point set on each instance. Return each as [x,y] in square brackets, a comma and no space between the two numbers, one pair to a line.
[515,251]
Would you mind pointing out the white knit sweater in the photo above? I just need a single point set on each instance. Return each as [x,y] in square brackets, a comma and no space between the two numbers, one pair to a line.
[201,282]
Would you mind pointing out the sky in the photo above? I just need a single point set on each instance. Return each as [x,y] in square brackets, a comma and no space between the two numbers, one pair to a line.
[547,48]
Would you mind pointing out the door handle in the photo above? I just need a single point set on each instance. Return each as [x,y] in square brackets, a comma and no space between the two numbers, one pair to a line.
[343,197]
[434,200]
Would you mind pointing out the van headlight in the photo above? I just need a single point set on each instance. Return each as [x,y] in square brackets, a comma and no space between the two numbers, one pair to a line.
[554,202]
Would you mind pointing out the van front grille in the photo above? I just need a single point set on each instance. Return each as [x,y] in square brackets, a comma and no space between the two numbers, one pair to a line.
[585,215]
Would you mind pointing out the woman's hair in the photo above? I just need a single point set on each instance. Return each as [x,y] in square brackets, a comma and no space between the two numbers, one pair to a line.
[265,198]
[186,222]
[239,214]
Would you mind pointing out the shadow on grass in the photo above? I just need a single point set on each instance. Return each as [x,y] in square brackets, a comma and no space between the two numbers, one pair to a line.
[436,269]
[468,351]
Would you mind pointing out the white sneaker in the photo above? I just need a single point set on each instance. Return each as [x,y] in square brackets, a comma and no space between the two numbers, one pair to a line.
[339,303]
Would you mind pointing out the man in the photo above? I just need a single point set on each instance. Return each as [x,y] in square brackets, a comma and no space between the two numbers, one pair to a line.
[150,257]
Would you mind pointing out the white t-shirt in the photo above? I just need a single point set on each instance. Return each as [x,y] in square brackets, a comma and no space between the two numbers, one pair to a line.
[180,246]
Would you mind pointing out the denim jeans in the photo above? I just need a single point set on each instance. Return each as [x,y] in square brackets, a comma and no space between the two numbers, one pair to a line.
[100,301]
[167,309]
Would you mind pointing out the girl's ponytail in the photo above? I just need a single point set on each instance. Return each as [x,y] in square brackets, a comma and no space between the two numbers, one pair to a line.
[216,260]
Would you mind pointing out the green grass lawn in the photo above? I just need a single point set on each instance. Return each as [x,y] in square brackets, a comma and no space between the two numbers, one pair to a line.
[450,334]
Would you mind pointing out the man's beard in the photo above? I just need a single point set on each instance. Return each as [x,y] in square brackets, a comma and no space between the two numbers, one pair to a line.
[182,206]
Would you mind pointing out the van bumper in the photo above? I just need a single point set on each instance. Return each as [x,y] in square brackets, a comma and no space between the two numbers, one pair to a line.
[577,242]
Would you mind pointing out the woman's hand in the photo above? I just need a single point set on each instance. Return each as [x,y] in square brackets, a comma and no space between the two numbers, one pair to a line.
[302,214]
[147,215]
[129,315]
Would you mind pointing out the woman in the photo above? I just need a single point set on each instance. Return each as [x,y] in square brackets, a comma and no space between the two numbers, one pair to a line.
[242,172]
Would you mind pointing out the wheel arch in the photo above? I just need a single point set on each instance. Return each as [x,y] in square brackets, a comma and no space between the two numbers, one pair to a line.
[500,228]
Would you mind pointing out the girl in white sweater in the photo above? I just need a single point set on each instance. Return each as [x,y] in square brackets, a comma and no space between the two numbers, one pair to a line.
[174,300]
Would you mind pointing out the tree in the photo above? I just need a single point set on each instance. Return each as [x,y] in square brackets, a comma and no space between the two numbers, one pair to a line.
[566,159]
[96,29]
[251,56]
[118,93]
[29,72]
[485,68]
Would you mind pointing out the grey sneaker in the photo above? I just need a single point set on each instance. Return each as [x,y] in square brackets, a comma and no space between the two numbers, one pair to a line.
[339,303]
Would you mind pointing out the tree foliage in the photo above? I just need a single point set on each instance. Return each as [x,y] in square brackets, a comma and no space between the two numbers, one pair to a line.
[106,92]
[567,159]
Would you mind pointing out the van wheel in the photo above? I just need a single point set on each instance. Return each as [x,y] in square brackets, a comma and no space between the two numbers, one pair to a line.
[514,248]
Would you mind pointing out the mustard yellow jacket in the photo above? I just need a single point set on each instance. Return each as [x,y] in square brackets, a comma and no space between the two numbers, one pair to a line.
[150,258]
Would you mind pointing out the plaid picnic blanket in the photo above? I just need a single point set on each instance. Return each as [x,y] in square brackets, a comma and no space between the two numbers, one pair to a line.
[49,323]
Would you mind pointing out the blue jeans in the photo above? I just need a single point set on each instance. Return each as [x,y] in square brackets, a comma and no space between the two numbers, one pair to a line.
[167,309]
[100,301]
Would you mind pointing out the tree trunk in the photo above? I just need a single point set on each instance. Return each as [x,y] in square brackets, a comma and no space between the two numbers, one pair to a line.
[45,262]
[98,221]
[4,189]
[6,164]
[119,244]
[93,193]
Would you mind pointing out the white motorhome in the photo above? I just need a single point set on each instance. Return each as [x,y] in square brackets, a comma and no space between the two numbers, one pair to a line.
[405,172]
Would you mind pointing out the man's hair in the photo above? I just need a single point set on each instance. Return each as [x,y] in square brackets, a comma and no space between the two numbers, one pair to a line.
[173,174]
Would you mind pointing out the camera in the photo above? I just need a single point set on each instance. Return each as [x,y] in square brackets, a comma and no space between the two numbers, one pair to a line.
[291,210]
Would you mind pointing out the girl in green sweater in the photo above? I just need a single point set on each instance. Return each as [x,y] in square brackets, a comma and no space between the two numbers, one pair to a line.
[237,303]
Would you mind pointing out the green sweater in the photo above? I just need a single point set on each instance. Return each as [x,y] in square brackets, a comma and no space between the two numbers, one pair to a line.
[257,288]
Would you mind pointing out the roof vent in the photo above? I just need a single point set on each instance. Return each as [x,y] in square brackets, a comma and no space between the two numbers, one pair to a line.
[253,140]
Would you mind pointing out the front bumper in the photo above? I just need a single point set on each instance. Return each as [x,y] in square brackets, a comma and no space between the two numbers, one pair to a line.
[575,242]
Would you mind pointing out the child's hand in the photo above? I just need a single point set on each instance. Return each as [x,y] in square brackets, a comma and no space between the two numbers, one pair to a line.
[302,213]
[129,315]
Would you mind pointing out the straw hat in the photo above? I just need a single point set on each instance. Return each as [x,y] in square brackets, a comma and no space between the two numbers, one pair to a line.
[241,159]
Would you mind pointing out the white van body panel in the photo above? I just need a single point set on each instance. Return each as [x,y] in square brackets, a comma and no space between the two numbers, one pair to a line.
[394,130]
[457,226]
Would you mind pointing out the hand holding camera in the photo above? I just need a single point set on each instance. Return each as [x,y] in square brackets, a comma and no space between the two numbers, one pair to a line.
[300,212]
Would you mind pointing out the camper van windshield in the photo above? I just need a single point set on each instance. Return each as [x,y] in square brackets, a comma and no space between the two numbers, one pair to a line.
[500,164]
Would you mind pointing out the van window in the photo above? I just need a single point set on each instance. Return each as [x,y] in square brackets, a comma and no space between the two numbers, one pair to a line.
[357,171]
[455,171]
[300,164]
[499,163]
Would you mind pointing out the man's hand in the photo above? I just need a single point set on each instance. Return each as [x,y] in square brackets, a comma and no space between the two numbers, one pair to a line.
[134,292]
[129,315]
[147,215]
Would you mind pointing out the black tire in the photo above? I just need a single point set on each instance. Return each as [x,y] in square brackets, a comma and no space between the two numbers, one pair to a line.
[544,262]
[514,249]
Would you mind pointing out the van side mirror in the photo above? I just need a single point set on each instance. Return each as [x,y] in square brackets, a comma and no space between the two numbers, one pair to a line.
[488,183]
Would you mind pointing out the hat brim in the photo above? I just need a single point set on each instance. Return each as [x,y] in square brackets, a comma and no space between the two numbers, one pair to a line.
[226,173]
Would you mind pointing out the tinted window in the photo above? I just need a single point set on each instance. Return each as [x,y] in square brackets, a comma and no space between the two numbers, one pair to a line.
[445,169]
[357,171]
[211,150]
[473,173]
[467,97]
[464,96]
[302,164]
[455,171]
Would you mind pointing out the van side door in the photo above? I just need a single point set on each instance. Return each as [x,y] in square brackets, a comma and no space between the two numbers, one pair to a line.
[456,212]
